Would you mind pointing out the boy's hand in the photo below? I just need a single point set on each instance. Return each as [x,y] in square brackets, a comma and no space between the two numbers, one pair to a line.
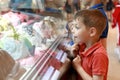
[76,62]
[75,49]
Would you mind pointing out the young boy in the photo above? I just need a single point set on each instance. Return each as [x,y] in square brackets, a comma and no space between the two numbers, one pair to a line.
[99,4]
[91,61]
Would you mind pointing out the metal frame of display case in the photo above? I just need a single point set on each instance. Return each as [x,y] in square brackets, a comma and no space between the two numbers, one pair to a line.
[32,73]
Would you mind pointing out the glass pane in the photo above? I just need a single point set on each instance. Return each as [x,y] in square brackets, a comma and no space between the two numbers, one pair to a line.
[31,34]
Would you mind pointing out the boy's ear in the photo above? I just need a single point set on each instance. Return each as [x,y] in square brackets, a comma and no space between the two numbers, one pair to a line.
[92,31]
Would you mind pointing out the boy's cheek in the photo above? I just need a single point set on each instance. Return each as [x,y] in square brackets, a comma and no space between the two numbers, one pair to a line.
[77,40]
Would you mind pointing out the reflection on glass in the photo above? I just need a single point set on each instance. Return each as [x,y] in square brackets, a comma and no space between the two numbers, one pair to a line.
[32,40]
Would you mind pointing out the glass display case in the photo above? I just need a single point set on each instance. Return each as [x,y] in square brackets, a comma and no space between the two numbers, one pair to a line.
[31,36]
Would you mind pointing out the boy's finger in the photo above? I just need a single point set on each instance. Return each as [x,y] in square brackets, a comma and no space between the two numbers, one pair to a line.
[78,57]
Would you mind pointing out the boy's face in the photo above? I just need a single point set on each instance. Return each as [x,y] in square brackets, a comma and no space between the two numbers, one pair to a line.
[80,33]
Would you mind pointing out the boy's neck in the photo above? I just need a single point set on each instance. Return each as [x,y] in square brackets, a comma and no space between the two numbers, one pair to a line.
[91,42]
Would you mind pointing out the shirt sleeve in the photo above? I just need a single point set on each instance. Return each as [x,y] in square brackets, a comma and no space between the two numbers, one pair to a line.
[100,64]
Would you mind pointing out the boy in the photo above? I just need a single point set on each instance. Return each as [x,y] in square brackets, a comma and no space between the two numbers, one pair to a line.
[91,61]
[99,4]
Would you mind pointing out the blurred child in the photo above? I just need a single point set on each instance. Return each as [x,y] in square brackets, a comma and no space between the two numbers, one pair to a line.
[69,9]
[76,4]
[91,61]
[109,8]
[116,20]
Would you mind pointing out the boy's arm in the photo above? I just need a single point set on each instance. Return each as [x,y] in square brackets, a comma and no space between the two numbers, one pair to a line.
[97,77]
[85,76]
[71,52]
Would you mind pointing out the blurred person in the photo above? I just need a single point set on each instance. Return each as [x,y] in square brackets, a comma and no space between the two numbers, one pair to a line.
[115,2]
[76,4]
[116,23]
[109,8]
[69,10]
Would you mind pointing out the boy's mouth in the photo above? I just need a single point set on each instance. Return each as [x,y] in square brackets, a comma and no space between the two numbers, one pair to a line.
[75,37]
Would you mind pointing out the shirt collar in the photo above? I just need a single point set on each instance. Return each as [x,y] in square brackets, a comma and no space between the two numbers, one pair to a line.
[91,49]
[97,6]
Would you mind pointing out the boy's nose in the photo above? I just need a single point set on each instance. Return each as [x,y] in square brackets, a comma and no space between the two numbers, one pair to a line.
[73,30]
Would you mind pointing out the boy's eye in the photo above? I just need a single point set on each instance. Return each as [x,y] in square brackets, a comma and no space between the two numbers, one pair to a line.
[77,27]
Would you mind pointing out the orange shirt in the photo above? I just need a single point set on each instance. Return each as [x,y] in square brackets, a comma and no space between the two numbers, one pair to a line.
[95,60]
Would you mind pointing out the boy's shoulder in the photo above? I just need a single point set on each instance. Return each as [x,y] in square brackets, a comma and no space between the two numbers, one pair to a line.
[100,51]
[96,49]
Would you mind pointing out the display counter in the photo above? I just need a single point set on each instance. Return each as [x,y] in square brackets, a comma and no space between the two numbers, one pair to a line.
[30,38]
